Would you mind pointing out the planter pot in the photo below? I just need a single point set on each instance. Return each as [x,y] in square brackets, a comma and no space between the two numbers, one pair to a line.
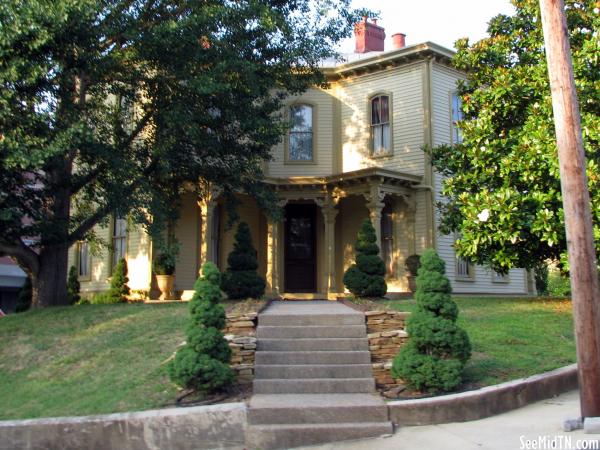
[412,283]
[165,285]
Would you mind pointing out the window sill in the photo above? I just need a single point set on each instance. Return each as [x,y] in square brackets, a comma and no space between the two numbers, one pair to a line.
[84,278]
[467,279]
[300,163]
[382,155]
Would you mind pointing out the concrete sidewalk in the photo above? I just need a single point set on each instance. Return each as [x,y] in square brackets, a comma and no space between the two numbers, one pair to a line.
[524,428]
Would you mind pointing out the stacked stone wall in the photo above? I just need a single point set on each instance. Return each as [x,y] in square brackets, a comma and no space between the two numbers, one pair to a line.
[386,331]
[240,333]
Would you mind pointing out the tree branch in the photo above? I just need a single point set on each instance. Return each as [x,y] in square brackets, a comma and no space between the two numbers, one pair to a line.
[27,259]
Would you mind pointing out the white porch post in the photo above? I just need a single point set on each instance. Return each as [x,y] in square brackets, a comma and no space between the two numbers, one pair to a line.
[329,214]
[207,209]
[272,257]
[375,205]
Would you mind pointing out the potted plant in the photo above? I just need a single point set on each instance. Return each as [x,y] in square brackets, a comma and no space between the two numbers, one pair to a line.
[412,264]
[164,268]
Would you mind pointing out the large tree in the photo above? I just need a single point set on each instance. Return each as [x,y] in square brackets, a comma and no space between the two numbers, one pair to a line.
[112,105]
[502,181]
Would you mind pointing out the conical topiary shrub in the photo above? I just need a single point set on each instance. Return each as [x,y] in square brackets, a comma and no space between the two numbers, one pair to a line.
[119,291]
[365,278]
[203,363]
[73,286]
[437,350]
[240,280]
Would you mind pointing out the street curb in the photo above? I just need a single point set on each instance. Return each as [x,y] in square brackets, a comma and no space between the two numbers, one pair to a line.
[200,427]
[484,402]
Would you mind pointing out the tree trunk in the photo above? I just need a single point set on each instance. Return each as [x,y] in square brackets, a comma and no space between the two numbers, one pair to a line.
[49,285]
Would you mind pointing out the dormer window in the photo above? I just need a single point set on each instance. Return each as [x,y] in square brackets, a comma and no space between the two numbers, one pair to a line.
[381,142]
[300,147]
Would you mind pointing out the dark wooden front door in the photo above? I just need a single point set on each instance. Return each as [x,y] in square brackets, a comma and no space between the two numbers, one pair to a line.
[300,248]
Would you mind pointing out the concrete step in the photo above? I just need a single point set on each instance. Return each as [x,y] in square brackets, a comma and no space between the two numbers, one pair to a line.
[302,357]
[314,371]
[316,408]
[317,344]
[314,386]
[270,437]
[290,331]
[331,320]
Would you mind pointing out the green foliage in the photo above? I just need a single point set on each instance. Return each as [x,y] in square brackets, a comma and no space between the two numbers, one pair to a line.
[203,363]
[24,297]
[101,298]
[240,280]
[119,291]
[117,105]
[73,286]
[541,279]
[412,264]
[559,284]
[507,165]
[437,350]
[164,264]
[365,278]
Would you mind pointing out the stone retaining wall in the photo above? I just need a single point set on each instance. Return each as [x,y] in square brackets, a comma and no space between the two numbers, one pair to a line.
[240,333]
[386,331]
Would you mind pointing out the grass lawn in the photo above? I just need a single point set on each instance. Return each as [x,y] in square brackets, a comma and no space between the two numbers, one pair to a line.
[88,359]
[96,359]
[512,338]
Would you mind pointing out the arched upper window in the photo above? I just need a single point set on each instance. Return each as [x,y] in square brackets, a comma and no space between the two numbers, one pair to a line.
[381,139]
[301,133]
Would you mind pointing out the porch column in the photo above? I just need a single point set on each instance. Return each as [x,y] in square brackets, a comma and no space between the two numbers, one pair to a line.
[207,209]
[272,257]
[375,205]
[329,214]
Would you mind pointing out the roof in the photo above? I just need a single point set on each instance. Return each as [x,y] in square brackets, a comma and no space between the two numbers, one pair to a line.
[353,63]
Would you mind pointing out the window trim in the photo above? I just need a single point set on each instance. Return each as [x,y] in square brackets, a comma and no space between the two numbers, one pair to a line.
[286,150]
[112,262]
[452,125]
[470,267]
[88,276]
[370,99]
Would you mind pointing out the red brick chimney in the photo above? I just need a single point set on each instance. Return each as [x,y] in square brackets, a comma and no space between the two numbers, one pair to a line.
[398,40]
[369,36]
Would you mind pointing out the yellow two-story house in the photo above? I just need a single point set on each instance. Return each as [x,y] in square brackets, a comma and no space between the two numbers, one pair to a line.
[354,150]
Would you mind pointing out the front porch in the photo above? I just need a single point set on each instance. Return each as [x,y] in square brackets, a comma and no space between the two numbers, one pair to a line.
[305,255]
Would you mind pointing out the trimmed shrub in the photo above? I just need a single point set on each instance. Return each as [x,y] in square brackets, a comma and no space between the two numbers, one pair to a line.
[203,363]
[541,279]
[240,280]
[119,290]
[437,351]
[73,286]
[365,278]
[412,264]
[24,297]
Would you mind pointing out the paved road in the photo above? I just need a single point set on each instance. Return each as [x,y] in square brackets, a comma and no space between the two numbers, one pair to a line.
[524,428]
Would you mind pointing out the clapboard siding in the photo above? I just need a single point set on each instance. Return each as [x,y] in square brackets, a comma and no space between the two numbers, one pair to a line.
[323,104]
[405,85]
[443,84]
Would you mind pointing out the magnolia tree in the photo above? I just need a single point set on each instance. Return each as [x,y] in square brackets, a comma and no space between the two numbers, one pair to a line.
[502,181]
[111,106]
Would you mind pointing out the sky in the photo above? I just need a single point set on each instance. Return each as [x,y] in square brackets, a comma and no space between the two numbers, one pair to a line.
[439,21]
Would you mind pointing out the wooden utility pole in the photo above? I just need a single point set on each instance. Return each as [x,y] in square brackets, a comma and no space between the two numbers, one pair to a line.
[576,205]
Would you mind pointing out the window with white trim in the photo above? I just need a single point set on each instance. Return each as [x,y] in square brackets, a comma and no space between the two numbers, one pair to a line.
[457,116]
[463,268]
[300,148]
[83,259]
[119,238]
[381,137]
